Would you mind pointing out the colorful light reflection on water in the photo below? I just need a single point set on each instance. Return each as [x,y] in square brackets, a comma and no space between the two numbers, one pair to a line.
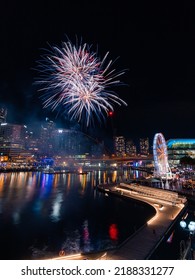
[42,214]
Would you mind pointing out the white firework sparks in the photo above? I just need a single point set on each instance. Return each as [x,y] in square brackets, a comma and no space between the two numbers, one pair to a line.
[76,82]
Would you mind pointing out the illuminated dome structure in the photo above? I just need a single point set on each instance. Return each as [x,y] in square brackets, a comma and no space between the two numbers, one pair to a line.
[161,165]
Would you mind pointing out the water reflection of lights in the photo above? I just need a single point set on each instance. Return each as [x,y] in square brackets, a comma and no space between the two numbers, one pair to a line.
[83,181]
[86,239]
[99,176]
[46,184]
[31,184]
[104,177]
[13,180]
[125,174]
[2,180]
[85,231]
[113,232]
[93,183]
[55,181]
[55,214]
[68,181]
[114,176]
[16,218]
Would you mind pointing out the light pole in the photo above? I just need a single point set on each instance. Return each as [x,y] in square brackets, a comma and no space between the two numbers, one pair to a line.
[186,247]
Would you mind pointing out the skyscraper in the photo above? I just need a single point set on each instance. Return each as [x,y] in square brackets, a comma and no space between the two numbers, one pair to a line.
[119,145]
[3,115]
[12,140]
[45,144]
[131,149]
[144,146]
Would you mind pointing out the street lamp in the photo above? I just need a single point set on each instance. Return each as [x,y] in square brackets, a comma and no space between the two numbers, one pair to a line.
[184,250]
[190,228]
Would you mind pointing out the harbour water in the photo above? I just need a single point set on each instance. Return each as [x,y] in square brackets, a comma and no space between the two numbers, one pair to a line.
[42,214]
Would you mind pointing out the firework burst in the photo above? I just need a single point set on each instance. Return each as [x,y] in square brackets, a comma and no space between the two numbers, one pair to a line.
[75,81]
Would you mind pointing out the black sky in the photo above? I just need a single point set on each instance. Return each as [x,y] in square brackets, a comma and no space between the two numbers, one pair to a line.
[156,43]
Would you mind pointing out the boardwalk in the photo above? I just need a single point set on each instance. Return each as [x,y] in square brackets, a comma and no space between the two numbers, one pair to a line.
[143,243]
[140,246]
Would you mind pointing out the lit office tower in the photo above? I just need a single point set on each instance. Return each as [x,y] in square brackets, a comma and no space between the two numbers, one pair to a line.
[45,145]
[12,132]
[68,142]
[144,146]
[131,149]
[12,139]
[3,115]
[65,142]
[119,145]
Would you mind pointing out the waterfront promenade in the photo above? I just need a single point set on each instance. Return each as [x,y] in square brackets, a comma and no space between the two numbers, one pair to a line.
[169,206]
[141,245]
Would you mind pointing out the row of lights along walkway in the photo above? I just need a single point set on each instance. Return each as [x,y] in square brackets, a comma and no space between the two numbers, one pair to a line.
[168,206]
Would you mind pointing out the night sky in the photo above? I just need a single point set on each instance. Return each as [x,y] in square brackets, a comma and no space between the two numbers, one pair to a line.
[156,44]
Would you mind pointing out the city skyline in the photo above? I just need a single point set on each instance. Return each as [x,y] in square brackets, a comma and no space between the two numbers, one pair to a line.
[35,131]
[154,45]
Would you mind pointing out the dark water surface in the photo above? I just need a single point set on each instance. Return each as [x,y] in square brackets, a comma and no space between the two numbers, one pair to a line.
[41,214]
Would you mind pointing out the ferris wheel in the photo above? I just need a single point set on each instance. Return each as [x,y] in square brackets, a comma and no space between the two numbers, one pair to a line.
[161,165]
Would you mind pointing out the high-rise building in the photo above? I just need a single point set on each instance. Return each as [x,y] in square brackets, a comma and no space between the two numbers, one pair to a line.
[3,115]
[119,145]
[68,142]
[131,149]
[64,142]
[12,132]
[12,140]
[46,131]
[144,146]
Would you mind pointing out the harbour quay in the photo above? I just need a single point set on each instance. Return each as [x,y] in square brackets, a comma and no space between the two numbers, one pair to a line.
[169,207]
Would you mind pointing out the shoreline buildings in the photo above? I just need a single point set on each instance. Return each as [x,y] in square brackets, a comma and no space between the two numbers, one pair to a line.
[20,144]
[179,148]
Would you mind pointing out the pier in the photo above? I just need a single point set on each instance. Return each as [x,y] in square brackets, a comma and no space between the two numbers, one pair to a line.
[169,206]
